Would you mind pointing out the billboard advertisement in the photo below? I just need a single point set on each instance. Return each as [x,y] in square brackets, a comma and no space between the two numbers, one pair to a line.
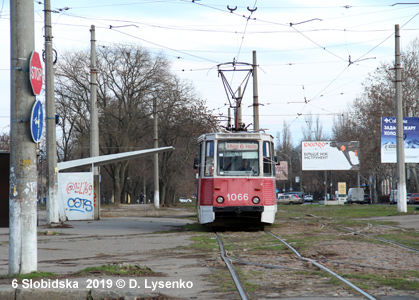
[281,171]
[410,137]
[330,155]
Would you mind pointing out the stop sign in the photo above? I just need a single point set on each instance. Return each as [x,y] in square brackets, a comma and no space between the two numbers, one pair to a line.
[35,73]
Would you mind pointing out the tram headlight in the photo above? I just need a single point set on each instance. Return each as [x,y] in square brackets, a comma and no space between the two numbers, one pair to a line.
[255,200]
[220,200]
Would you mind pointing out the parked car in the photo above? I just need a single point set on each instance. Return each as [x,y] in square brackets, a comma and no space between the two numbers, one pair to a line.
[393,197]
[308,199]
[408,197]
[299,194]
[414,198]
[290,199]
[183,199]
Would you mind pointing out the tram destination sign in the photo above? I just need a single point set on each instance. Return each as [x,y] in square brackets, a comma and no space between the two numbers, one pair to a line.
[241,146]
[329,155]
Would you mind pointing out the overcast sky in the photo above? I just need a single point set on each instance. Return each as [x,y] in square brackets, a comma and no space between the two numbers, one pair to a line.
[312,55]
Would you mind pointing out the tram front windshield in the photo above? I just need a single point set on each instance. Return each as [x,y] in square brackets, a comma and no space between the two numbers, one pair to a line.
[238,158]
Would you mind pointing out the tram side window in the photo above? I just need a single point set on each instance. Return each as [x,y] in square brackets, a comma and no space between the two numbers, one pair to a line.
[268,160]
[209,158]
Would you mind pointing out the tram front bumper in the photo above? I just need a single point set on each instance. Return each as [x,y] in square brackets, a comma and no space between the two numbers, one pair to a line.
[237,209]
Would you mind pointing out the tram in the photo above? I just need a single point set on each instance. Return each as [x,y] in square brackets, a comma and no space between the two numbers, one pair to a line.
[236,169]
[236,179]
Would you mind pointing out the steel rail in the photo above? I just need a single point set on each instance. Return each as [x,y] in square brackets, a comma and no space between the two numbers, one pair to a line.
[240,288]
[244,262]
[382,240]
[323,267]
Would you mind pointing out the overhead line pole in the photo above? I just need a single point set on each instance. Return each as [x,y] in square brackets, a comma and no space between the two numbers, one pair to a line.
[52,182]
[23,253]
[401,176]
[255,94]
[94,121]
[156,157]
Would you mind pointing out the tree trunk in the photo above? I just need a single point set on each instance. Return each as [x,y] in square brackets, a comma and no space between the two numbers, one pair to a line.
[116,184]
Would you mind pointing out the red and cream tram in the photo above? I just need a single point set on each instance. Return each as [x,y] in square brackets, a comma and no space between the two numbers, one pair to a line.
[236,179]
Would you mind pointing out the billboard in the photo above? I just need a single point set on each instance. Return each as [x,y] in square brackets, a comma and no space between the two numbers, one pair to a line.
[329,155]
[410,137]
[281,171]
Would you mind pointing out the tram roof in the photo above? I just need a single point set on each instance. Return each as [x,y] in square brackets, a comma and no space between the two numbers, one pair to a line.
[235,136]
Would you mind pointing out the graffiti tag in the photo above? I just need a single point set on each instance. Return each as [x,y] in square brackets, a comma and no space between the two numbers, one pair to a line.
[81,205]
[82,188]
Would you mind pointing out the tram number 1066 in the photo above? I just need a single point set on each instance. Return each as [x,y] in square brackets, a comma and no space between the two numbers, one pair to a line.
[237,197]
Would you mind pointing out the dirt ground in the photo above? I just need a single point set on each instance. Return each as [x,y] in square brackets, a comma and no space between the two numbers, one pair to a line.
[364,262]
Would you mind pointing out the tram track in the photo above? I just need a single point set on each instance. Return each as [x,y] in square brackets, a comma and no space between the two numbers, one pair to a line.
[381,240]
[240,286]
[368,227]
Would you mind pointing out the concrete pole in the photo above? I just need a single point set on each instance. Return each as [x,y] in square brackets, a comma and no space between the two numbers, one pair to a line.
[301,175]
[51,142]
[23,252]
[94,122]
[156,157]
[401,186]
[144,185]
[255,94]
[239,108]
[325,186]
[229,118]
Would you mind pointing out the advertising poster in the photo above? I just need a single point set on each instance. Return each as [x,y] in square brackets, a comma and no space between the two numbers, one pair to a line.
[341,188]
[410,138]
[330,155]
[281,170]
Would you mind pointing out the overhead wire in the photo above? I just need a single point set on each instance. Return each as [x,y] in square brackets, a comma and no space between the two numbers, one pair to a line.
[245,32]
[350,63]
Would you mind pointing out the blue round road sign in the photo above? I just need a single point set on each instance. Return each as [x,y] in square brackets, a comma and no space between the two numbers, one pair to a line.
[37,121]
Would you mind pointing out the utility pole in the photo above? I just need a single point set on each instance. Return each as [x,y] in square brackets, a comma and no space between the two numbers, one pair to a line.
[325,186]
[401,186]
[52,182]
[156,157]
[23,252]
[239,108]
[255,94]
[94,122]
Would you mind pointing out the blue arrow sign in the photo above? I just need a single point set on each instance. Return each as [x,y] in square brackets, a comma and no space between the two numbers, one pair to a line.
[37,121]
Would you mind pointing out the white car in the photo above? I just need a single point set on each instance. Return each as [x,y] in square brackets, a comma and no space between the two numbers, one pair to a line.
[290,199]
[184,199]
[308,198]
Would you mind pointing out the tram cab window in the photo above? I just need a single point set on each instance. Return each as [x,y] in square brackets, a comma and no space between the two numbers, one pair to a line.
[209,159]
[238,158]
[268,159]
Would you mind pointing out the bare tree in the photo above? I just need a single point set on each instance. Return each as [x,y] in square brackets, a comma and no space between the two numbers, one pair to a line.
[362,120]
[129,78]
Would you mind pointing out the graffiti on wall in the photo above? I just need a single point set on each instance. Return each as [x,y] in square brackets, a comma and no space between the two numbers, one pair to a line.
[76,195]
